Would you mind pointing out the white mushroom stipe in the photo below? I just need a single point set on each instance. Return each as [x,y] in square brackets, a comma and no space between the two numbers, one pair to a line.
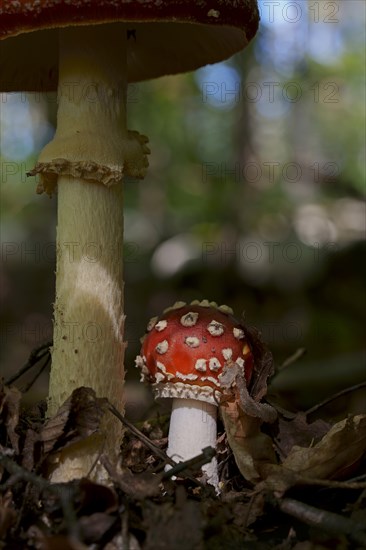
[192,428]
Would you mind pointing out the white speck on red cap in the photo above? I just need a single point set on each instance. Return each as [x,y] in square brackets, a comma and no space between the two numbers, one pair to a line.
[161,366]
[189,319]
[192,341]
[215,328]
[226,309]
[214,364]
[161,325]
[177,305]
[151,323]
[238,333]
[162,347]
[227,353]
[200,365]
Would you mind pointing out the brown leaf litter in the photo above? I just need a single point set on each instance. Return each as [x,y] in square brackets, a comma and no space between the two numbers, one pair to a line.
[286,483]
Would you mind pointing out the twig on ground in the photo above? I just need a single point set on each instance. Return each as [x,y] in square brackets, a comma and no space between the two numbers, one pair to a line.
[334,397]
[36,355]
[196,462]
[38,374]
[144,439]
[158,452]
[292,359]
[323,520]
[330,483]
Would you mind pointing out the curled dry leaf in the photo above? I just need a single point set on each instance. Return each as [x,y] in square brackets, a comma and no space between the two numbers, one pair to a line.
[252,449]
[335,455]
[299,432]
[263,364]
[341,448]
[243,413]
[77,418]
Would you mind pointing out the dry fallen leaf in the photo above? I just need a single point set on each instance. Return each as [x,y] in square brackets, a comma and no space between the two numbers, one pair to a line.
[243,413]
[335,454]
[77,418]
[252,448]
[298,431]
[339,449]
[263,364]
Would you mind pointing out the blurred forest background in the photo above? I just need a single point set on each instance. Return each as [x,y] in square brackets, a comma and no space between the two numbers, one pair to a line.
[254,198]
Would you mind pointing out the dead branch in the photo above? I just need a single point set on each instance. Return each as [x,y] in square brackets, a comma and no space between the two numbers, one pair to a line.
[334,397]
[196,462]
[36,355]
[324,520]
[38,374]
[300,352]
[143,438]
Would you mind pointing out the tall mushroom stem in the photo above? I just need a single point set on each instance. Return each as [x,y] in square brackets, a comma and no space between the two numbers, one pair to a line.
[192,428]
[88,154]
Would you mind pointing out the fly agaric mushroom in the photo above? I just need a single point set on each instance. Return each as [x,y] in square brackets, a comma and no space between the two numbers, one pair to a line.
[88,50]
[182,357]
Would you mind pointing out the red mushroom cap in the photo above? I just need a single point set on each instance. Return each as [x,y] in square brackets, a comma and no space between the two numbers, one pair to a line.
[186,349]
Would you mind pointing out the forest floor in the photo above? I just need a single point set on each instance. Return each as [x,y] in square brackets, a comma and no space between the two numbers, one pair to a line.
[291,483]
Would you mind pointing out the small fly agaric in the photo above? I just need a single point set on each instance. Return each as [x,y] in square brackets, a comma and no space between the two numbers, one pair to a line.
[182,357]
[88,50]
